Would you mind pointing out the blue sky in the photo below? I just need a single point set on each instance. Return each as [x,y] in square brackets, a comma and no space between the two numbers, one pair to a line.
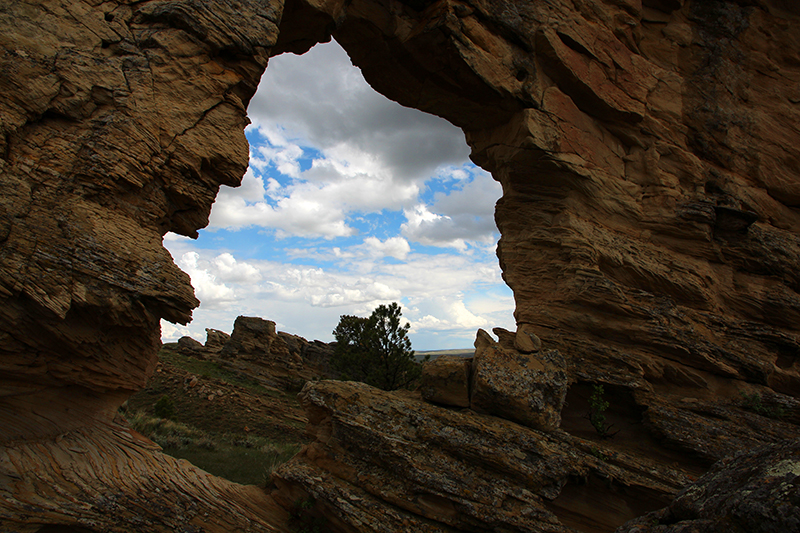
[350,201]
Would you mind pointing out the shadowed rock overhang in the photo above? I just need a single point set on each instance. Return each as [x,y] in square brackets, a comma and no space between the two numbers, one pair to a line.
[648,152]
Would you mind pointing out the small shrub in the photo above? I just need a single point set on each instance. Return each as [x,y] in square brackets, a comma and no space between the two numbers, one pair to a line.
[247,441]
[206,443]
[597,407]
[598,454]
[170,440]
[168,433]
[164,408]
[754,402]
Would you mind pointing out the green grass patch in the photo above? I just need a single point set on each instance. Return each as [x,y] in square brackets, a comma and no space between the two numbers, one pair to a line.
[243,459]
[214,370]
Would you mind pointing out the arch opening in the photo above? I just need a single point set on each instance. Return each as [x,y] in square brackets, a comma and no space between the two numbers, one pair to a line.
[350,201]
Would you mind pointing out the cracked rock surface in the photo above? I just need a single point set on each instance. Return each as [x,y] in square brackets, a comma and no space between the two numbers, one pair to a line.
[649,226]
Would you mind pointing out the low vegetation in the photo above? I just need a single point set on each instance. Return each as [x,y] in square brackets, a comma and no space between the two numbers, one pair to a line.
[754,403]
[243,459]
[596,415]
[240,431]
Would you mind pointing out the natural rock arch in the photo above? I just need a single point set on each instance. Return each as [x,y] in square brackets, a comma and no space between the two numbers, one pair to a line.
[656,212]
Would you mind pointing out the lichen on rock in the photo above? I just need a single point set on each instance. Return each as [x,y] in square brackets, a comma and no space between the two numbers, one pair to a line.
[649,231]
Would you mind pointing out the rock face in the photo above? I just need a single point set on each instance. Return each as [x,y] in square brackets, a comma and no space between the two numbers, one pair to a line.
[119,121]
[758,491]
[388,462]
[289,359]
[648,156]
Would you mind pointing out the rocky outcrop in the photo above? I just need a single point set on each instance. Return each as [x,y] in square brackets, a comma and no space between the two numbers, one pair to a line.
[256,339]
[215,340]
[285,361]
[647,220]
[648,157]
[290,360]
[119,121]
[757,491]
[386,462]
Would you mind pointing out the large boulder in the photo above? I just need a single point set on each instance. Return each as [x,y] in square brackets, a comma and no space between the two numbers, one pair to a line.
[527,388]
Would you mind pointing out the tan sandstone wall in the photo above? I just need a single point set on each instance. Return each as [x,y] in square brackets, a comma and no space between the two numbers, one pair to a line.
[648,152]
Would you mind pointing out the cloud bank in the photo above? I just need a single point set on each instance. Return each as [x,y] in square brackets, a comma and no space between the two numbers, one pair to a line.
[350,201]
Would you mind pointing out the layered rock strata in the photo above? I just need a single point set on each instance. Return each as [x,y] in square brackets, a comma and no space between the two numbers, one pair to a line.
[119,121]
[753,492]
[648,218]
[648,156]
[389,462]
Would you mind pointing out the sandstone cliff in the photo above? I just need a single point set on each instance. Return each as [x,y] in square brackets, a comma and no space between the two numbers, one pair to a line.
[648,154]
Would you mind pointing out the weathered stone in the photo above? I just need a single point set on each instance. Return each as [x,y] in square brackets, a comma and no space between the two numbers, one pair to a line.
[252,338]
[527,388]
[119,121]
[526,341]
[387,461]
[445,380]
[649,230]
[256,339]
[215,340]
[288,360]
[754,492]
[505,338]
[190,346]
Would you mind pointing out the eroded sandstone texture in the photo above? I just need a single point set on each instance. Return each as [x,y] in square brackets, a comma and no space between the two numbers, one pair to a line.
[648,152]
[118,123]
